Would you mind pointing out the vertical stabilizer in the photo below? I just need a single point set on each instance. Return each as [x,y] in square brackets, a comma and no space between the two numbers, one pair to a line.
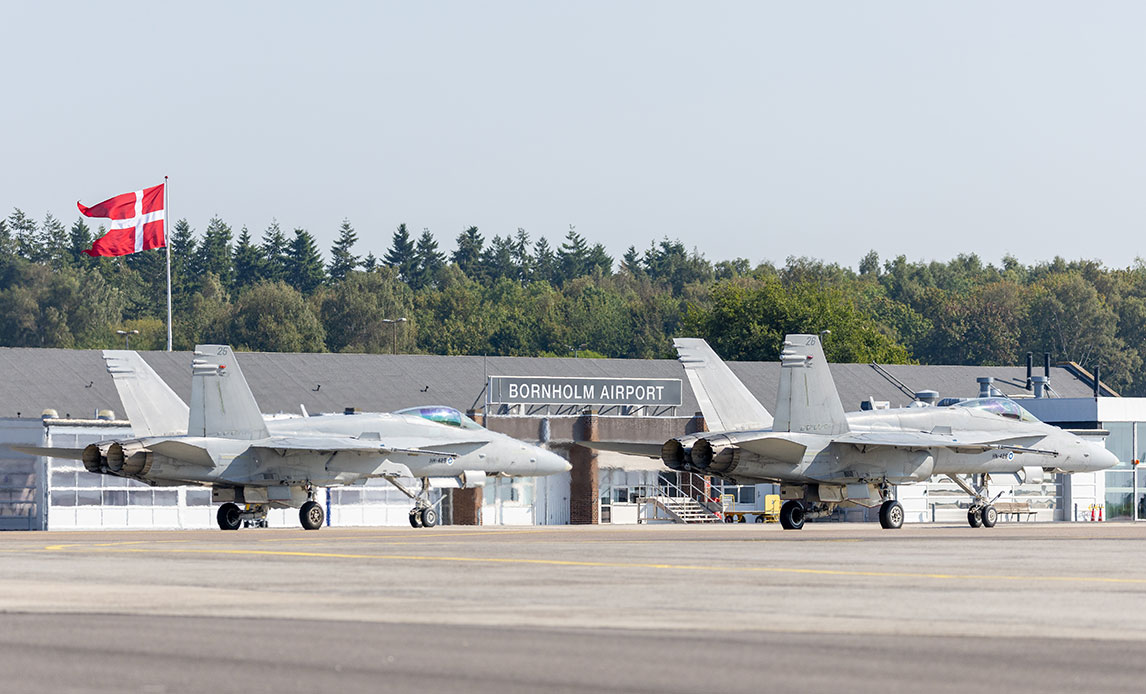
[153,408]
[221,402]
[808,401]
[726,403]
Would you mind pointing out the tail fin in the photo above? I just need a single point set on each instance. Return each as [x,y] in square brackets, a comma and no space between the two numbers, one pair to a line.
[153,408]
[726,403]
[221,402]
[808,400]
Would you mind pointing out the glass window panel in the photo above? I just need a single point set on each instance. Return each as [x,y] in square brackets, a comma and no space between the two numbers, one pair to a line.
[198,497]
[376,496]
[63,479]
[88,497]
[141,497]
[748,495]
[1119,442]
[88,479]
[1120,478]
[114,497]
[64,498]
[166,497]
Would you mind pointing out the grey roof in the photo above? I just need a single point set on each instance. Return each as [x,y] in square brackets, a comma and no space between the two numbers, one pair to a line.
[75,382]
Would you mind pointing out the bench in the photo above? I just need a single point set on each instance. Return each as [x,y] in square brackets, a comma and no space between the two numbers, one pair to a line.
[1014,508]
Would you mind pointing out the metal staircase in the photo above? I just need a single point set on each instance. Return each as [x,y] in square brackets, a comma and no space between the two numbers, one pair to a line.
[678,509]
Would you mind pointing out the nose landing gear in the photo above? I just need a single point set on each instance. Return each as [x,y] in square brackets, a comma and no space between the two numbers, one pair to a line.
[982,513]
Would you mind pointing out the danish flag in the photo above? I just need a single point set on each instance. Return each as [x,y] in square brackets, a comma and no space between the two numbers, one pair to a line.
[136,222]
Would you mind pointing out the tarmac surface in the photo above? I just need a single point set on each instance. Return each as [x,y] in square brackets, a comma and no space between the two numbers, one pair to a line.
[723,608]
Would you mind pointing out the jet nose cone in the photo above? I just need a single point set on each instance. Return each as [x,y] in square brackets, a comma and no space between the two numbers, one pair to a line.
[1102,459]
[549,463]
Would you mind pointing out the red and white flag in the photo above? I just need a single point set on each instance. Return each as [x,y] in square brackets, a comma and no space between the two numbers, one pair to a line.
[137,222]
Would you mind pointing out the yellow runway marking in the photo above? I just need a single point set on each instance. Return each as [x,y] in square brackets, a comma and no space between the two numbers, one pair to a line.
[610,565]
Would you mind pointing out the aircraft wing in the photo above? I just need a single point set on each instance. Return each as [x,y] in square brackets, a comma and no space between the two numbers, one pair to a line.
[645,450]
[341,444]
[48,452]
[917,440]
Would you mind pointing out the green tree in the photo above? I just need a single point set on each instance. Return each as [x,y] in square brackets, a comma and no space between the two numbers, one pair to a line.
[274,317]
[273,267]
[79,240]
[214,253]
[428,261]
[401,254]
[304,270]
[342,258]
[468,255]
[572,257]
[545,267]
[248,262]
[353,310]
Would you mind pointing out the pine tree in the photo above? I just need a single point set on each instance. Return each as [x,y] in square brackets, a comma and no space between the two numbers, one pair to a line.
[522,261]
[214,254]
[428,262]
[53,242]
[79,240]
[572,256]
[401,254]
[342,261]
[274,254]
[183,250]
[247,261]
[544,262]
[6,246]
[304,263]
[631,263]
[369,263]
[497,260]
[24,232]
[469,252]
[599,260]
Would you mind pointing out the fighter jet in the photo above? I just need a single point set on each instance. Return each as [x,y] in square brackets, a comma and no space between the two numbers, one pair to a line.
[823,458]
[224,442]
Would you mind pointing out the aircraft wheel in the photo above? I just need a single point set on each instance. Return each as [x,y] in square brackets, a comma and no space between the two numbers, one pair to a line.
[429,517]
[228,517]
[975,518]
[989,516]
[415,519]
[891,515]
[792,515]
[311,515]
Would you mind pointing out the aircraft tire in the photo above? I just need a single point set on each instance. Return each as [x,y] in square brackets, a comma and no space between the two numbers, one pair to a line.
[974,518]
[429,517]
[228,517]
[891,515]
[989,516]
[792,515]
[311,515]
[415,519]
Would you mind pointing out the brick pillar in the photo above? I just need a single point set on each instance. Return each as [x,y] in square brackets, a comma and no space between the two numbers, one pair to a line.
[584,484]
[465,504]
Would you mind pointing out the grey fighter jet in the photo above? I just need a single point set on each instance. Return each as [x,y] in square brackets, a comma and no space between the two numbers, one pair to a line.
[823,458]
[223,441]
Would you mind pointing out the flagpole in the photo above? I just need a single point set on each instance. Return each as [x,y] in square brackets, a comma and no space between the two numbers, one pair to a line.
[167,243]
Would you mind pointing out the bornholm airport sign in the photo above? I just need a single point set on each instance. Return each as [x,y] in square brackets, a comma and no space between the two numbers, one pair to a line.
[545,390]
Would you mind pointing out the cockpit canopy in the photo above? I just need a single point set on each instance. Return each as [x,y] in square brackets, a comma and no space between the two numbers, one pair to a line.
[442,415]
[1004,407]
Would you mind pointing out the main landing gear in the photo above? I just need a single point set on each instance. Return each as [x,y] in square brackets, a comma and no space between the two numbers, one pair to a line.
[792,515]
[231,517]
[982,513]
[891,515]
[423,515]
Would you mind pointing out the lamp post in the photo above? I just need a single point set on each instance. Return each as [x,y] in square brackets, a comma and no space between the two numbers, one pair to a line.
[576,349]
[394,332]
[127,337]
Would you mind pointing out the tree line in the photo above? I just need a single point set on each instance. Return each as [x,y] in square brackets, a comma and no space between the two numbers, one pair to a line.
[520,296]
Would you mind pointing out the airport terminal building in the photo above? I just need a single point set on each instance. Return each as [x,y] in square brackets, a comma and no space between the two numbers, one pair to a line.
[66,398]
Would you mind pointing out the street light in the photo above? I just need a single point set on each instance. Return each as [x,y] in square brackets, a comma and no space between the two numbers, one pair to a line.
[394,332]
[576,349]
[127,337]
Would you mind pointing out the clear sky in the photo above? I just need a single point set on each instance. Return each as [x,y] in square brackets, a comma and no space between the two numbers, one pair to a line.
[745,129]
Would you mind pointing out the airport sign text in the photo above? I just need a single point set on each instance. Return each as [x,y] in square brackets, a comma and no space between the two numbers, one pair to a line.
[544,390]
